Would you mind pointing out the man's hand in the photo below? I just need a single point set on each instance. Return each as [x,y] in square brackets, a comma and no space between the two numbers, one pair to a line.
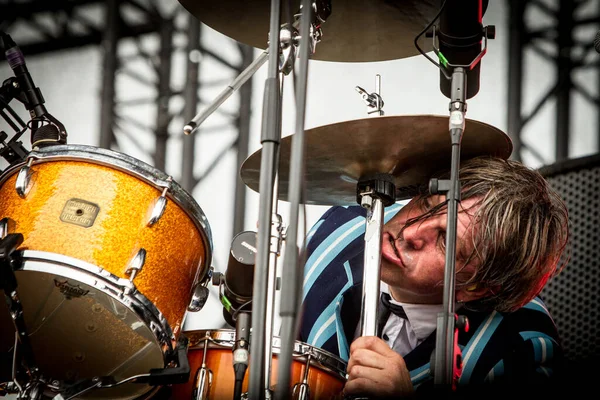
[376,370]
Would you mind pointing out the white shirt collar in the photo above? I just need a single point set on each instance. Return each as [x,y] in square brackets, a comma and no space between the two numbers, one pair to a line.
[422,317]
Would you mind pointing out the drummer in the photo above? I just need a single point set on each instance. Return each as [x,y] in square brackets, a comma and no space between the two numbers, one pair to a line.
[511,233]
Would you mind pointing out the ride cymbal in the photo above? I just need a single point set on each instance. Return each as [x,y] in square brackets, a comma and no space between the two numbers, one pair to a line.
[356,30]
[409,147]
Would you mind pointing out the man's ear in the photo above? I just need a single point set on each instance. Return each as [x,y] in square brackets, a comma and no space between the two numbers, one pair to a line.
[471,292]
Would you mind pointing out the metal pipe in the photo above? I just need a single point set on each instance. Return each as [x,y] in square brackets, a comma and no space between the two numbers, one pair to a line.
[109,71]
[163,118]
[516,40]
[564,71]
[270,139]
[372,265]
[243,124]
[192,85]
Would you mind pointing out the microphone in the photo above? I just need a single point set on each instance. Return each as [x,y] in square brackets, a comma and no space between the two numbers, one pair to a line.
[236,284]
[235,292]
[597,42]
[16,61]
[45,135]
[459,37]
[32,97]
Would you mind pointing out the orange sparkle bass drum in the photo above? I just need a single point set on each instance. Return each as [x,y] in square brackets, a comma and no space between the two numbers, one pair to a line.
[114,251]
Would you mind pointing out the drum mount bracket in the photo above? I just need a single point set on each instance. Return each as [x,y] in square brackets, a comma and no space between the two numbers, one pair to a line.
[8,283]
[13,150]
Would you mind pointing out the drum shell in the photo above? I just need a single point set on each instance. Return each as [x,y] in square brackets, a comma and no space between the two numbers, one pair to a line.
[324,383]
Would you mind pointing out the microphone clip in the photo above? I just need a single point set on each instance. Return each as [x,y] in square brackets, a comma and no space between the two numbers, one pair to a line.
[488,32]
[232,304]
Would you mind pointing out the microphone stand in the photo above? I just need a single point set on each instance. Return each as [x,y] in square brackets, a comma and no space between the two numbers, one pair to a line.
[447,357]
[240,351]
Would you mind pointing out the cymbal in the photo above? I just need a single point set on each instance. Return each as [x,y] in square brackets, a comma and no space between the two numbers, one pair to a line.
[356,30]
[408,147]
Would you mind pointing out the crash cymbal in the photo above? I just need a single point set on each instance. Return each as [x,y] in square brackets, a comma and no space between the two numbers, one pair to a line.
[356,30]
[410,148]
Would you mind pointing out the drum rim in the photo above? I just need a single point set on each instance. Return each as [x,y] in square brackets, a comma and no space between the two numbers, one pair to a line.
[326,360]
[136,302]
[131,166]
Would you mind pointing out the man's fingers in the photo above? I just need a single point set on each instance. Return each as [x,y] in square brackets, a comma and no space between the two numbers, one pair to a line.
[358,386]
[367,358]
[362,371]
[372,343]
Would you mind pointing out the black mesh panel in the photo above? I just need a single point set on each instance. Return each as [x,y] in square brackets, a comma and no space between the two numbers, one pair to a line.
[573,295]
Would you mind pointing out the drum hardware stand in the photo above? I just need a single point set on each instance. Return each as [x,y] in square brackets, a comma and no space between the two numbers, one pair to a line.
[373,101]
[373,194]
[13,151]
[8,283]
[313,15]
[447,357]
[258,388]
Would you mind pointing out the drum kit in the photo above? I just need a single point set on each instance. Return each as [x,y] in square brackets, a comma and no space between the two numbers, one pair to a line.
[102,255]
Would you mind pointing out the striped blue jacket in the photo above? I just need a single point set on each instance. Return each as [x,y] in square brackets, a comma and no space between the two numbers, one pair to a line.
[512,348]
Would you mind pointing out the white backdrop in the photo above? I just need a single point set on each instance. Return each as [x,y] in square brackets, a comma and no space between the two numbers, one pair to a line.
[70,82]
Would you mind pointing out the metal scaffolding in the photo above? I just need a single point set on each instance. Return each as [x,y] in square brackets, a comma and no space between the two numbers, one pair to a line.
[41,26]
[569,54]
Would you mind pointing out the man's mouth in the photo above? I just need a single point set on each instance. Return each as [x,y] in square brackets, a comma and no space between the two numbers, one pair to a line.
[393,243]
[391,252]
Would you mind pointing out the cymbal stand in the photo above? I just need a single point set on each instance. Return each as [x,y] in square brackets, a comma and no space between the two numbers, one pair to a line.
[313,14]
[373,193]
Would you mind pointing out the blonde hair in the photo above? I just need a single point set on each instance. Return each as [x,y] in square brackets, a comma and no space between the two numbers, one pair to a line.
[521,231]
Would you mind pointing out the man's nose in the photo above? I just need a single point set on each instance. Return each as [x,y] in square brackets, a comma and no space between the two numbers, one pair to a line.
[419,234]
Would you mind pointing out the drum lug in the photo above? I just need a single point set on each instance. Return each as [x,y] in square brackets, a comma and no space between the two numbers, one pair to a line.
[198,298]
[24,179]
[203,383]
[160,205]
[301,391]
[200,294]
[7,226]
[136,264]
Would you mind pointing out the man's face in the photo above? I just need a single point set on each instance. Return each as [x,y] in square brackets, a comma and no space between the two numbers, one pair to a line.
[413,262]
